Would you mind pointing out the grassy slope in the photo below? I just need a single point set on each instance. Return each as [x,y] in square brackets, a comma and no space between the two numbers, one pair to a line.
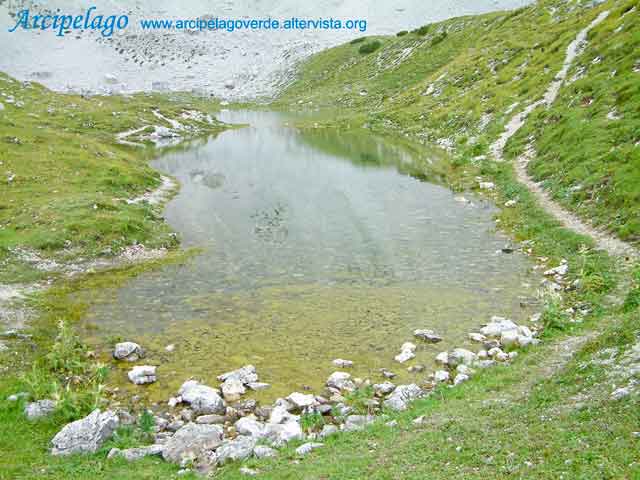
[461,88]
[70,179]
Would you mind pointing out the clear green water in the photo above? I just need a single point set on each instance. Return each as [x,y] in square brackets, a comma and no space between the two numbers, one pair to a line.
[315,245]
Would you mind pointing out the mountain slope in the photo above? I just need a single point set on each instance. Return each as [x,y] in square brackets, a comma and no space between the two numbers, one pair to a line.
[460,82]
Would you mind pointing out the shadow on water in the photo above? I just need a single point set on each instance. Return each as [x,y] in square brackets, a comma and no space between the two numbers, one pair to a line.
[316,244]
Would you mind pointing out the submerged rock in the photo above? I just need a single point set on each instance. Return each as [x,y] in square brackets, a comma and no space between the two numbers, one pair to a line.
[341,363]
[86,435]
[428,336]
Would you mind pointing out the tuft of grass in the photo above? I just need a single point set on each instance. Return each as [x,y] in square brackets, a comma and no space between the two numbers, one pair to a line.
[311,422]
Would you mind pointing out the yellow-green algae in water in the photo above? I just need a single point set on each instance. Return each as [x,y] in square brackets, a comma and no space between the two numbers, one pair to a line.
[292,334]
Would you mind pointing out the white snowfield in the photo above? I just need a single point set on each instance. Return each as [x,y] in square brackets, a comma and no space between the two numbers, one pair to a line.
[237,65]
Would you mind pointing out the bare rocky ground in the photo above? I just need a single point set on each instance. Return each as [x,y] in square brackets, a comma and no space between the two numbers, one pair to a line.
[235,66]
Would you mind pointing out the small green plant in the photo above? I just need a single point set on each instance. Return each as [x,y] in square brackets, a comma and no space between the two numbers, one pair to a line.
[359,399]
[311,421]
[370,47]
[68,354]
[553,317]
[146,422]
[401,33]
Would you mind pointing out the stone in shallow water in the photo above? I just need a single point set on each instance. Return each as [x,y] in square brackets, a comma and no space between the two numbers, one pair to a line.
[129,351]
[86,435]
[142,374]
[341,363]
[202,398]
[246,374]
[427,335]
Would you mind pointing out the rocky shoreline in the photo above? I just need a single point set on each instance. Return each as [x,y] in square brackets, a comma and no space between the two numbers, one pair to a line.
[203,427]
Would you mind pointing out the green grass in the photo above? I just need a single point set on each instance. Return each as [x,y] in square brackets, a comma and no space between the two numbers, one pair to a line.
[65,181]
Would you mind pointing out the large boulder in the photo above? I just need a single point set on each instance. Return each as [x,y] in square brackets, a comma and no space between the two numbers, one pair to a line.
[402,396]
[128,351]
[191,442]
[202,398]
[39,409]
[86,435]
